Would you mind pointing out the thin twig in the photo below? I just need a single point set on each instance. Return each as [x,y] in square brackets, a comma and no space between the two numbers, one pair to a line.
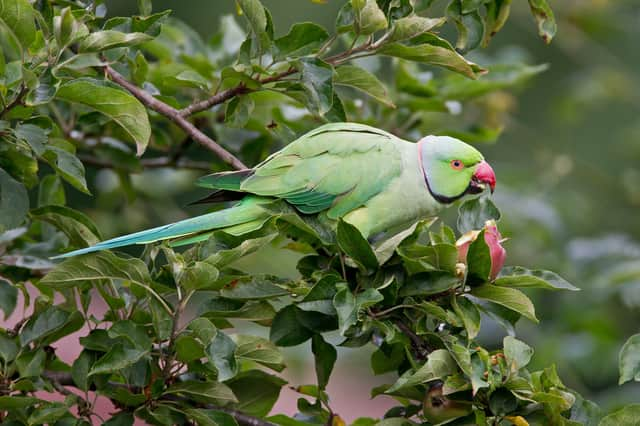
[216,99]
[420,347]
[175,116]
[168,364]
[230,93]
[18,100]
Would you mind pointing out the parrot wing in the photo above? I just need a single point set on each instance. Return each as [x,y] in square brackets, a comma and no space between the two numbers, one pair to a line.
[336,167]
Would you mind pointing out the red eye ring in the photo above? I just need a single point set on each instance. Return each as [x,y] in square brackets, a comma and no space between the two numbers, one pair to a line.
[457,165]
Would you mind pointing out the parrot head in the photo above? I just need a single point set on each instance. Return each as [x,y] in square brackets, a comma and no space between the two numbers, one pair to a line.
[452,169]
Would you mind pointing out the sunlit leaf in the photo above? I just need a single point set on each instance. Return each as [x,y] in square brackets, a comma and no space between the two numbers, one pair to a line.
[109,39]
[517,276]
[113,102]
[363,80]
[629,360]
[18,17]
[510,298]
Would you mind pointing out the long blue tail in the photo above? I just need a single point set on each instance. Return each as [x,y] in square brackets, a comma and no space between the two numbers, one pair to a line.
[243,215]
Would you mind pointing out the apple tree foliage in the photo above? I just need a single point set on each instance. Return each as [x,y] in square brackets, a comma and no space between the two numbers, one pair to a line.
[84,95]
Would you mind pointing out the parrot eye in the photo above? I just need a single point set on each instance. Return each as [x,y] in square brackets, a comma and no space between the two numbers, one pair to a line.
[457,165]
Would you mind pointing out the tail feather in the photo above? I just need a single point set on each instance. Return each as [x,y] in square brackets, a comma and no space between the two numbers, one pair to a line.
[249,210]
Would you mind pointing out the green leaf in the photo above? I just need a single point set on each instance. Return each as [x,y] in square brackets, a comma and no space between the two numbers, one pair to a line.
[317,80]
[188,348]
[68,166]
[8,297]
[117,104]
[259,350]
[81,231]
[517,353]
[585,412]
[470,26]
[97,266]
[48,414]
[80,370]
[18,16]
[131,334]
[31,364]
[255,13]
[502,402]
[629,360]
[500,76]
[426,284]
[355,245]
[8,348]
[45,323]
[413,26]
[473,214]
[256,391]
[259,20]
[517,276]
[67,29]
[15,402]
[218,251]
[496,16]
[478,261]
[14,202]
[238,111]
[210,417]
[221,352]
[303,39]
[478,369]
[510,298]
[363,80]
[292,326]
[254,289]
[109,39]
[325,357]
[259,311]
[118,358]
[369,17]
[388,246]
[160,318]
[123,418]
[469,313]
[200,276]
[213,392]
[349,306]
[544,17]
[439,365]
[345,19]
[286,329]
[627,415]
[387,358]
[437,52]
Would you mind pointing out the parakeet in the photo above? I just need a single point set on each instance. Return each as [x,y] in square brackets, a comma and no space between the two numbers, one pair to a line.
[370,178]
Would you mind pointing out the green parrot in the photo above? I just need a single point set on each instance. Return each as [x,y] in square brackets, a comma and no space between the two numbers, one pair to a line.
[370,178]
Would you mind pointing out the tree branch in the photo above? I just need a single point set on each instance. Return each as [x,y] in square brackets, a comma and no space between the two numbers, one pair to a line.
[216,99]
[420,348]
[60,379]
[227,94]
[175,116]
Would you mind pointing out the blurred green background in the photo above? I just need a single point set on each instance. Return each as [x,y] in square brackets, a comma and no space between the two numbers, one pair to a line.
[568,166]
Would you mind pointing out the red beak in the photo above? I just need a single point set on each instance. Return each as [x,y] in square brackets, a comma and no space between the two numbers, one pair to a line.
[484,174]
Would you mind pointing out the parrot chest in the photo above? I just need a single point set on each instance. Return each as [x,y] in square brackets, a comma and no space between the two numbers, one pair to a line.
[405,200]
